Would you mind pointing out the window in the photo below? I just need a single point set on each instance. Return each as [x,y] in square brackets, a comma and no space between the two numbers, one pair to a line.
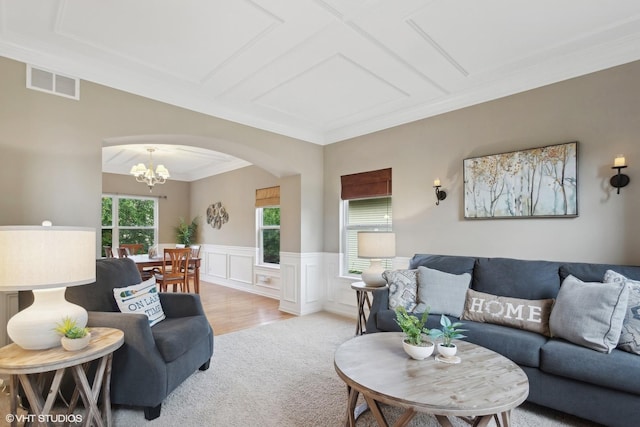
[269,234]
[268,224]
[129,219]
[366,207]
[363,215]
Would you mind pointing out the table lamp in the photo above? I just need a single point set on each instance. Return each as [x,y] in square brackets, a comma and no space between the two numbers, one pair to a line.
[375,245]
[45,259]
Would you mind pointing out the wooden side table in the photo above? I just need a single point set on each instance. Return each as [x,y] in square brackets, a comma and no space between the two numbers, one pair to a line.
[362,294]
[27,366]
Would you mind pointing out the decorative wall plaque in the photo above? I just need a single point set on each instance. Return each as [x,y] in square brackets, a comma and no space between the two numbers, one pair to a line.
[217,215]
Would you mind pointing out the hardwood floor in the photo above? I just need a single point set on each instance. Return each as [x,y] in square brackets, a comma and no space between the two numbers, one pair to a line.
[230,310]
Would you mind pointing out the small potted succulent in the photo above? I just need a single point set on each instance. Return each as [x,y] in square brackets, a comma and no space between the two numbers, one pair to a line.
[448,332]
[414,343]
[73,337]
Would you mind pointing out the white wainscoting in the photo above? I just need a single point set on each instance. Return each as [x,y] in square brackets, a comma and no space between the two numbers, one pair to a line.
[8,307]
[302,285]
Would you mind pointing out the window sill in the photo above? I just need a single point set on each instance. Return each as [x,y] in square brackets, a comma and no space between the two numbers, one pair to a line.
[268,266]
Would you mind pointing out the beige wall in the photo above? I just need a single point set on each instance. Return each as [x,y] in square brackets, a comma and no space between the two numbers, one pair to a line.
[50,152]
[601,111]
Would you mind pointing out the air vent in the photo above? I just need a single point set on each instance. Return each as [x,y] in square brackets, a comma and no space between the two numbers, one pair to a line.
[50,82]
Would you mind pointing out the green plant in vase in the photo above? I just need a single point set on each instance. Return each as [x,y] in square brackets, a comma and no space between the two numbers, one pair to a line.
[415,332]
[448,332]
[70,329]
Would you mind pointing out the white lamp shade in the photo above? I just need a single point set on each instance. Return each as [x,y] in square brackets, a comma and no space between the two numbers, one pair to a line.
[45,260]
[376,244]
[46,257]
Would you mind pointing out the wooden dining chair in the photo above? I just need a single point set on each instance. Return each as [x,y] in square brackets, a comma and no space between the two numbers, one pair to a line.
[123,252]
[134,248]
[191,270]
[108,252]
[174,270]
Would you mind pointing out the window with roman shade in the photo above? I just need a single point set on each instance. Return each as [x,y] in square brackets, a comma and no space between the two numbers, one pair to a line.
[366,207]
[268,224]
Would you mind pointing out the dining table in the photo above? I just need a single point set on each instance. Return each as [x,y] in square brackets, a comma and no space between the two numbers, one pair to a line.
[144,261]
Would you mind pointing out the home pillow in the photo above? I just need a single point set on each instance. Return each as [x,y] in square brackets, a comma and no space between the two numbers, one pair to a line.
[142,298]
[530,315]
[589,314]
[443,293]
[403,285]
[630,336]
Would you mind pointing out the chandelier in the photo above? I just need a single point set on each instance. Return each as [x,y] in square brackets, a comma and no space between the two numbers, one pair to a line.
[147,175]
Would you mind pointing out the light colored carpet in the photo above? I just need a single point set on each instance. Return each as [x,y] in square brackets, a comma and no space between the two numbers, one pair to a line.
[282,374]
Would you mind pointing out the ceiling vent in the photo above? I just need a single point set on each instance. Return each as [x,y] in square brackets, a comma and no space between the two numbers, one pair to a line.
[50,82]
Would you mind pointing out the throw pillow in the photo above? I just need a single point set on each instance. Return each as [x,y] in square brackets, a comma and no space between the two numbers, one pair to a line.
[530,315]
[589,314]
[630,335]
[142,298]
[443,292]
[403,285]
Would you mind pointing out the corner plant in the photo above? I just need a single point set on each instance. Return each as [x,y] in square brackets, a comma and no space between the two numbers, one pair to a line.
[185,231]
[70,329]
[449,331]
[412,327]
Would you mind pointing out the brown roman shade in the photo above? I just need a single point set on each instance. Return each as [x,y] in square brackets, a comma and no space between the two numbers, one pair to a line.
[268,196]
[366,184]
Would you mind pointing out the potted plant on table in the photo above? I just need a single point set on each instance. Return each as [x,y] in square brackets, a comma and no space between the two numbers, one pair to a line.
[73,337]
[414,343]
[448,333]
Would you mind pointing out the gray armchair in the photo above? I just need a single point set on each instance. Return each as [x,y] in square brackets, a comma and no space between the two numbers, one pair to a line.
[153,360]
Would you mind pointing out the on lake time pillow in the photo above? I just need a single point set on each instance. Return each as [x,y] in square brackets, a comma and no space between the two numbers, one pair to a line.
[142,298]
[630,335]
[403,285]
[443,292]
[589,314]
[530,315]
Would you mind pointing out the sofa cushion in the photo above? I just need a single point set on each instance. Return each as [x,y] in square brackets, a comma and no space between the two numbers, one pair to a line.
[442,293]
[523,347]
[141,299]
[448,263]
[618,370]
[630,335]
[175,336]
[589,313]
[516,278]
[595,272]
[403,288]
[530,315]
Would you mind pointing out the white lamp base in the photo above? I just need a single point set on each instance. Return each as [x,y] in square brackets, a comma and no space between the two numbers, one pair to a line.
[33,327]
[372,276]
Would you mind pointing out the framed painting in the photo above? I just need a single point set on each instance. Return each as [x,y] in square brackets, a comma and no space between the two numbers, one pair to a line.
[539,182]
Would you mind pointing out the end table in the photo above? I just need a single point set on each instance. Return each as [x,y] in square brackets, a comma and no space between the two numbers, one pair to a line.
[27,366]
[362,294]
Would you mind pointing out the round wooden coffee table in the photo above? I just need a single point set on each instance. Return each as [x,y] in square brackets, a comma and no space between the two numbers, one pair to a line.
[483,386]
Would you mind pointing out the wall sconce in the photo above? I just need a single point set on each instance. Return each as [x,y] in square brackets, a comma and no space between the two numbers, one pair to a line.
[440,195]
[619,180]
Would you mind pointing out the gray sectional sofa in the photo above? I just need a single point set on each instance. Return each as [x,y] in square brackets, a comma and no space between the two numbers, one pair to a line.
[595,385]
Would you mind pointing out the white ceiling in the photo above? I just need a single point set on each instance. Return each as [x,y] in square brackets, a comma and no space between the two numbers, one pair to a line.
[321,70]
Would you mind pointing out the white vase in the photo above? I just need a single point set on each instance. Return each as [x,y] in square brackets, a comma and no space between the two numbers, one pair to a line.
[418,352]
[75,344]
[447,351]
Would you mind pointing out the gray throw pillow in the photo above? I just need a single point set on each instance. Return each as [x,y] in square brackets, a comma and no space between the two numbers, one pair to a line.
[630,336]
[589,314]
[403,286]
[443,293]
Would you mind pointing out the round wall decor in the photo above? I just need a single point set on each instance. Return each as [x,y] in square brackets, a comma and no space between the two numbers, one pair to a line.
[217,215]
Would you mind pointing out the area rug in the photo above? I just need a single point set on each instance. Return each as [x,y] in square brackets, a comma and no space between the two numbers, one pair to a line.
[282,374]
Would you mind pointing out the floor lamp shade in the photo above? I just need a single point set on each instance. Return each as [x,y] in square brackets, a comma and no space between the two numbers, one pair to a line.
[375,245]
[45,260]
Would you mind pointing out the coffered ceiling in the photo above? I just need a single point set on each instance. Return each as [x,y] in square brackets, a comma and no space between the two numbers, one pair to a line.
[322,70]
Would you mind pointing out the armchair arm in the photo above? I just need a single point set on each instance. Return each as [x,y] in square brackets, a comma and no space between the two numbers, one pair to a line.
[139,375]
[181,304]
[380,302]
